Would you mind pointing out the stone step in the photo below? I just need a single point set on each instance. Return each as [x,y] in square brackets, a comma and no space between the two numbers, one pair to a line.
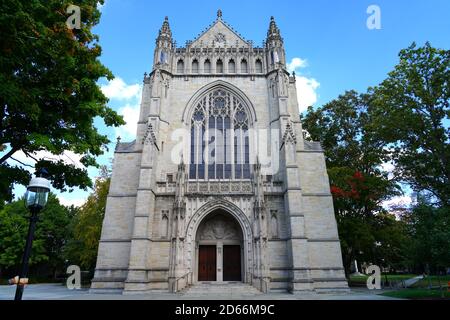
[211,288]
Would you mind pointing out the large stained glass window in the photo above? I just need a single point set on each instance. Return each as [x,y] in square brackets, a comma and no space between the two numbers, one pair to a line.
[219,138]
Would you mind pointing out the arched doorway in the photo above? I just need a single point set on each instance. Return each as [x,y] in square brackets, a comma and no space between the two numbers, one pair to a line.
[219,248]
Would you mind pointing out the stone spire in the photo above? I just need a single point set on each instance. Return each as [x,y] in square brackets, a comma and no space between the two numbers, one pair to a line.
[273,33]
[219,14]
[165,32]
[274,46]
[164,45]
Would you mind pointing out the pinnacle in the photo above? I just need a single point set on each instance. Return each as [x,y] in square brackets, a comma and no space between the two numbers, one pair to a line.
[165,29]
[273,32]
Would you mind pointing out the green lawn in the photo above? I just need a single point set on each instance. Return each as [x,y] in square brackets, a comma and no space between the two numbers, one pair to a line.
[418,290]
[361,280]
[424,283]
[417,294]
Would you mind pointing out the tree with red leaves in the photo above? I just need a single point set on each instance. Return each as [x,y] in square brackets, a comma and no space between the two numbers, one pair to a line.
[357,183]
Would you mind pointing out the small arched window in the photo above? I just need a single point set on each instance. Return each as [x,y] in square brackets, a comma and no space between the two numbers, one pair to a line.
[207,66]
[258,66]
[231,66]
[180,66]
[244,68]
[219,66]
[195,66]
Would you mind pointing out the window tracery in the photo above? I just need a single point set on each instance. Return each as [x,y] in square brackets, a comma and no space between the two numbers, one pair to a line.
[219,146]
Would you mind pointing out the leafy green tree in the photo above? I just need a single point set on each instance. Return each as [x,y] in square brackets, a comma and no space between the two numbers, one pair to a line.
[49,96]
[363,223]
[13,230]
[343,127]
[392,241]
[429,229]
[49,239]
[358,185]
[404,120]
[412,113]
[82,249]
[53,229]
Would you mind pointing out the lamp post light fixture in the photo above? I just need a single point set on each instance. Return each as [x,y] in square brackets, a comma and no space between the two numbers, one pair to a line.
[35,200]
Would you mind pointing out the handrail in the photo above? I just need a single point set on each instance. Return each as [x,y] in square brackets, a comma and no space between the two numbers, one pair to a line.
[175,284]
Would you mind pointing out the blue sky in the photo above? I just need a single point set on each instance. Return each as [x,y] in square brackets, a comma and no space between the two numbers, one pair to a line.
[332,35]
[335,50]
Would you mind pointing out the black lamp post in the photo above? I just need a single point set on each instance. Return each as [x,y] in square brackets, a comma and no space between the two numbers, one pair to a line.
[35,200]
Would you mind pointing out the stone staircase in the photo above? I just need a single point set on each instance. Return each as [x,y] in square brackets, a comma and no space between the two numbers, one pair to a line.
[221,290]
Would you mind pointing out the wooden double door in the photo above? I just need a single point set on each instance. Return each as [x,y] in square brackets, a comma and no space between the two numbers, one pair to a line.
[207,269]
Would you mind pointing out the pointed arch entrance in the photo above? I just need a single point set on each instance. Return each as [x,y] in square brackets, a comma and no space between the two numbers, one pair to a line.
[209,221]
[219,244]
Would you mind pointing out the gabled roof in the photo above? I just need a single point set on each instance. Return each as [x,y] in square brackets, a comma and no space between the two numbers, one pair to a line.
[220,33]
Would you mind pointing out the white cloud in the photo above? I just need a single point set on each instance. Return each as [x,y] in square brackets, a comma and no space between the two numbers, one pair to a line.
[76,198]
[296,63]
[306,87]
[119,90]
[389,168]
[130,114]
[130,95]
[306,92]
[68,157]
[399,201]
[67,201]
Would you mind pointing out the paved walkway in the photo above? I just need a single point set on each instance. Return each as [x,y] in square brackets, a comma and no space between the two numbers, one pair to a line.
[60,292]
[411,281]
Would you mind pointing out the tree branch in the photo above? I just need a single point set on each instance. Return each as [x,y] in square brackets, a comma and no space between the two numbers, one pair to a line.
[8,155]
[24,164]
[28,155]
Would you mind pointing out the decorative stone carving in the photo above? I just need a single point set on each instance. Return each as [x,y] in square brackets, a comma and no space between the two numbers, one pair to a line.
[223,187]
[149,136]
[289,134]
[283,81]
[220,37]
[219,228]
[164,224]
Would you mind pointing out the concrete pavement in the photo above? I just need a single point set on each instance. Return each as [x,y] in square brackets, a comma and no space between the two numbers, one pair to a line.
[60,292]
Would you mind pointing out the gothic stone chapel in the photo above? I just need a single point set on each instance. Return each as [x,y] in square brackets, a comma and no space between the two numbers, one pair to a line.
[209,209]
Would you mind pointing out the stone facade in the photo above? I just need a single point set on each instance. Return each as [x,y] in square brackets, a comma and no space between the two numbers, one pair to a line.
[163,206]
